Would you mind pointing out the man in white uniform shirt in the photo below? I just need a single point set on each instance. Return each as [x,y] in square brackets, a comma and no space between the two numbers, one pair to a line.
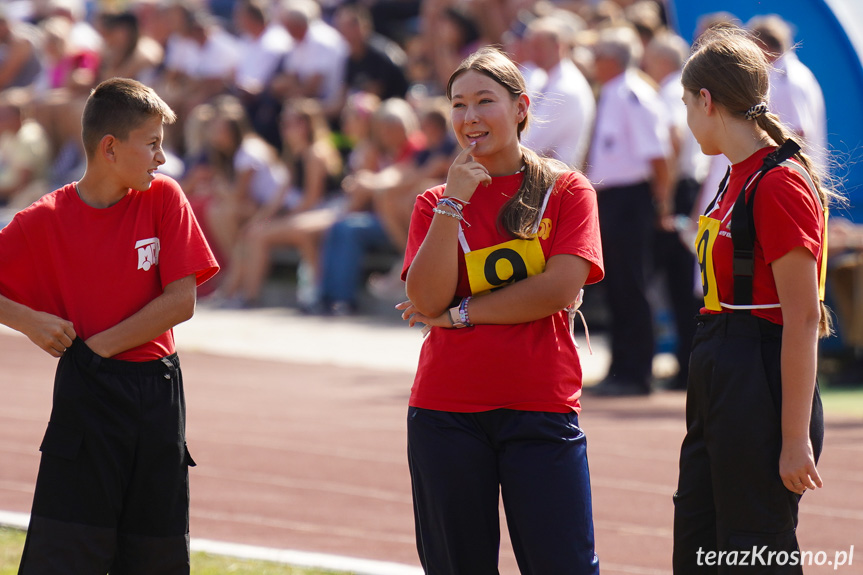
[200,59]
[674,260]
[315,65]
[262,46]
[628,166]
[200,52]
[795,95]
[562,101]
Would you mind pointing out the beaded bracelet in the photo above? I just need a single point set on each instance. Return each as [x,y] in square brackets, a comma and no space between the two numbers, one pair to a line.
[456,215]
[462,311]
[455,205]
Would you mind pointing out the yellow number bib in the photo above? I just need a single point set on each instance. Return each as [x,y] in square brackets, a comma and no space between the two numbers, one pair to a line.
[708,230]
[503,264]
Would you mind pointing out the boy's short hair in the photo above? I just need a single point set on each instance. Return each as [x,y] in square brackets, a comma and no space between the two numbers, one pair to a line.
[118,106]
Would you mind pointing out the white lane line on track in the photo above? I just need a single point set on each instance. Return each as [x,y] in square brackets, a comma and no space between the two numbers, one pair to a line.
[305,559]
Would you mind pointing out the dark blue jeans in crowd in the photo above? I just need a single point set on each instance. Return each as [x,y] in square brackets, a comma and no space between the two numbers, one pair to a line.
[344,249]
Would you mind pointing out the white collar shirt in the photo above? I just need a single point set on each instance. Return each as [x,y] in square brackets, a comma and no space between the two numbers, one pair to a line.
[322,52]
[691,162]
[260,57]
[216,58]
[631,131]
[562,113]
[796,97]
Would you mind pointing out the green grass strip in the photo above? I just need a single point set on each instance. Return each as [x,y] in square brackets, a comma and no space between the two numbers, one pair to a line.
[843,400]
[12,544]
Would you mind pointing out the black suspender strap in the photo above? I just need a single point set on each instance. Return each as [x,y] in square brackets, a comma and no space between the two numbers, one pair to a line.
[719,191]
[743,226]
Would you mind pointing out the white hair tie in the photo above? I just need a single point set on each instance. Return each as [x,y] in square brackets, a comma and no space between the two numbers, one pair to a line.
[756,110]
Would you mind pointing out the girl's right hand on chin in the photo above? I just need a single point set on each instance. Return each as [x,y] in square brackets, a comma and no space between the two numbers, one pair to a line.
[465,174]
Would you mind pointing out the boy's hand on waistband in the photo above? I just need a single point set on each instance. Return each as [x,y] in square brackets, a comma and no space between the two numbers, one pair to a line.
[51,333]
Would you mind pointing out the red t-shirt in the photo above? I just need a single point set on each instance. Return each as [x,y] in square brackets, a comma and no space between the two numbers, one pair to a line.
[96,267]
[531,366]
[787,215]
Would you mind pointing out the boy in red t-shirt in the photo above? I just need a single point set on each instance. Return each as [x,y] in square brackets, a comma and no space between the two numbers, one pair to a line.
[97,274]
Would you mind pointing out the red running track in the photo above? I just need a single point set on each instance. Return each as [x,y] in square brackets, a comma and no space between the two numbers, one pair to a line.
[312,458]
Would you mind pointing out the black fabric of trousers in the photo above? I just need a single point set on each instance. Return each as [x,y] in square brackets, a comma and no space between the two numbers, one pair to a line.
[730,496]
[626,219]
[112,494]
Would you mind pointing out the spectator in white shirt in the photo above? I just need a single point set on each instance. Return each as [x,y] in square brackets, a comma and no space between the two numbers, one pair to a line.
[315,65]
[795,95]
[262,46]
[562,101]
[628,165]
[200,60]
[674,260]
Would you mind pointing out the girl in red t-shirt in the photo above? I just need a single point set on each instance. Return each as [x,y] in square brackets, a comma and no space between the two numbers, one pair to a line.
[753,413]
[493,260]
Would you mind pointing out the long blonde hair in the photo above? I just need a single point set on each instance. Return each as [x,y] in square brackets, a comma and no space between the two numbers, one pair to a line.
[518,216]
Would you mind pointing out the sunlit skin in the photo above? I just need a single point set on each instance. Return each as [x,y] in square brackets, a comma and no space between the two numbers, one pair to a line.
[697,107]
[296,131]
[124,164]
[718,131]
[142,154]
[485,115]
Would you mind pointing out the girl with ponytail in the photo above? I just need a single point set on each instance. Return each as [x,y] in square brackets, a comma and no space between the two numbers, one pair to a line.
[753,412]
[494,266]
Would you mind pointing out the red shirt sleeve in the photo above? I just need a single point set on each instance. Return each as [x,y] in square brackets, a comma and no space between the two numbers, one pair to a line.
[577,223]
[184,249]
[787,215]
[420,221]
[17,265]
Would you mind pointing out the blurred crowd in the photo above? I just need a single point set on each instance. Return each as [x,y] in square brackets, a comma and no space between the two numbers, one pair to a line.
[308,127]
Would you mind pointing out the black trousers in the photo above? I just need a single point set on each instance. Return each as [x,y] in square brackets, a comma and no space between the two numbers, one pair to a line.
[730,496]
[677,264]
[462,463]
[112,494]
[627,222]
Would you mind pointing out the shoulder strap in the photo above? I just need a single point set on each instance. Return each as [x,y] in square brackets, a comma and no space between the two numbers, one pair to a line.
[542,208]
[718,191]
[743,226]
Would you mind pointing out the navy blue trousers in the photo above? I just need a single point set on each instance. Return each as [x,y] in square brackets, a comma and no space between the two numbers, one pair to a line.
[344,248]
[729,495]
[461,463]
[112,494]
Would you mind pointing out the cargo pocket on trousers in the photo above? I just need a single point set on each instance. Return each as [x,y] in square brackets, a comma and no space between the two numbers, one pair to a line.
[61,441]
[188,457]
